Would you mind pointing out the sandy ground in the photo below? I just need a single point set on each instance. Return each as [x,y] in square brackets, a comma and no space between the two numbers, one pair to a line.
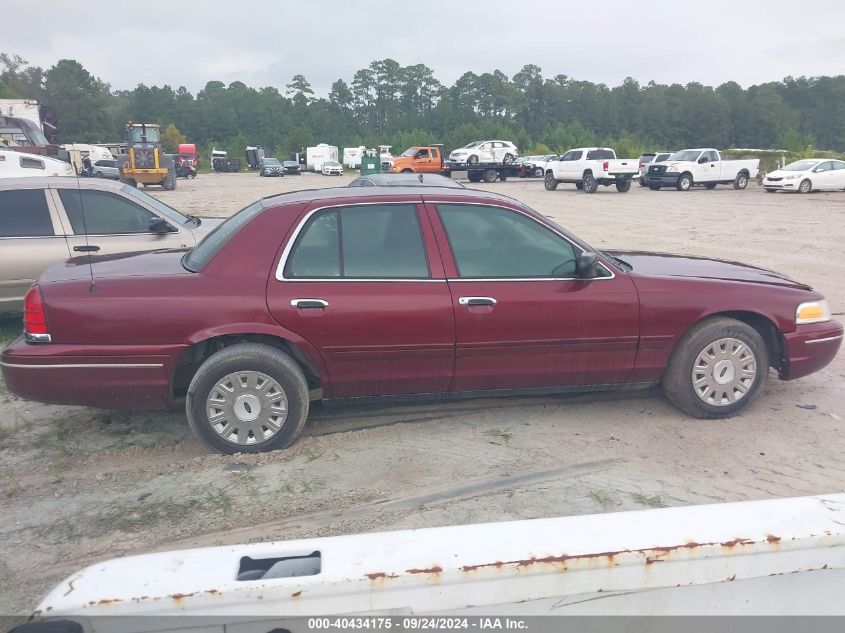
[79,485]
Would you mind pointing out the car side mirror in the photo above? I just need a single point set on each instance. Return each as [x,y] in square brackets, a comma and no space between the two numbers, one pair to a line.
[160,226]
[702,160]
[585,266]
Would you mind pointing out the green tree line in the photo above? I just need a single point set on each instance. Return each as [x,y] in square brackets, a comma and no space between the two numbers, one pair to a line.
[387,103]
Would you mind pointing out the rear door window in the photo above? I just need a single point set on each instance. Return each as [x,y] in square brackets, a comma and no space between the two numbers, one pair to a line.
[600,154]
[378,241]
[24,213]
[93,212]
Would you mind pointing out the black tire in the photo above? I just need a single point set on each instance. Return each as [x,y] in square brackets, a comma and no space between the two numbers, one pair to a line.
[591,185]
[407,171]
[643,182]
[169,182]
[741,181]
[622,186]
[248,357]
[538,172]
[550,182]
[508,159]
[770,190]
[99,174]
[684,183]
[490,175]
[654,187]
[806,186]
[579,186]
[474,176]
[710,185]
[472,160]
[678,379]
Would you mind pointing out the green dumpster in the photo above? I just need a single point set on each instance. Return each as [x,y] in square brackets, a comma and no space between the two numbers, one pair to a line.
[370,165]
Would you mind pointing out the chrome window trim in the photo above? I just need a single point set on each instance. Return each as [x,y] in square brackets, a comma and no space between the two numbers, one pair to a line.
[280,269]
[548,228]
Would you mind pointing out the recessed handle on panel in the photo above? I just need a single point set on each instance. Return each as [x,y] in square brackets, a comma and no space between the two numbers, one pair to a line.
[477,301]
[309,303]
[91,248]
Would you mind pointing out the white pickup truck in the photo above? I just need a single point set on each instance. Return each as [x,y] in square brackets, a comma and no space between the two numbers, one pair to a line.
[701,166]
[589,167]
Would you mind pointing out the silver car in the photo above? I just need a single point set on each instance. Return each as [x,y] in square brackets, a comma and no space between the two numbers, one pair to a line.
[44,221]
[106,169]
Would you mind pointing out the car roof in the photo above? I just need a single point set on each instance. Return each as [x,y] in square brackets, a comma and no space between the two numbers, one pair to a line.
[33,182]
[409,192]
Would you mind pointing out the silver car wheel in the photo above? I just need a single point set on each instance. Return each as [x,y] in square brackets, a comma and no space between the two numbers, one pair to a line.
[247,407]
[724,372]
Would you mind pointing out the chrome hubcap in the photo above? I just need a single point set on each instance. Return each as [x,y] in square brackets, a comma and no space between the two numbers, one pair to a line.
[247,407]
[724,372]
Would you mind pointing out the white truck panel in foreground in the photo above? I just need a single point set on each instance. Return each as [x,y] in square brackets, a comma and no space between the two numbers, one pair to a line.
[778,557]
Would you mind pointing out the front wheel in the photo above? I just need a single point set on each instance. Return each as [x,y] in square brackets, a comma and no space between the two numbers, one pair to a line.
[99,174]
[591,185]
[508,159]
[550,183]
[472,160]
[684,183]
[741,181]
[717,369]
[623,186]
[538,172]
[248,398]
[806,186]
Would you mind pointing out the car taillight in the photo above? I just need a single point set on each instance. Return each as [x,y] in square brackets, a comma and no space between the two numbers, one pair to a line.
[641,164]
[34,317]
[605,165]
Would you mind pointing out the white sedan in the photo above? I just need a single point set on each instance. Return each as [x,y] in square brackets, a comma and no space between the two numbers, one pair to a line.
[485,152]
[804,176]
[332,168]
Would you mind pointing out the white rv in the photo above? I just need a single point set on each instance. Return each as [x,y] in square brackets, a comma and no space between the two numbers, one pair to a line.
[352,156]
[78,151]
[385,157]
[316,156]
[19,164]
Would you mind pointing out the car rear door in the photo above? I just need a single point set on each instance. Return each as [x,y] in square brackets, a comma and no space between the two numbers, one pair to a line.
[107,222]
[31,240]
[838,174]
[522,318]
[363,284]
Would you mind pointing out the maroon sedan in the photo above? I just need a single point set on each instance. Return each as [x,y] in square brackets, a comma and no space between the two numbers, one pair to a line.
[354,294]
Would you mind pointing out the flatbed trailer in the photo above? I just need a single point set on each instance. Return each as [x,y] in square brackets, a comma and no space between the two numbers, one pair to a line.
[487,172]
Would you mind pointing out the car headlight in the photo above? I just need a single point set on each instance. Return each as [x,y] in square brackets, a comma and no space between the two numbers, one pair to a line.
[672,169]
[792,177]
[812,312]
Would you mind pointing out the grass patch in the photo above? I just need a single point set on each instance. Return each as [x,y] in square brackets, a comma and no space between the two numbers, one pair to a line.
[144,515]
[605,498]
[652,501]
[500,433]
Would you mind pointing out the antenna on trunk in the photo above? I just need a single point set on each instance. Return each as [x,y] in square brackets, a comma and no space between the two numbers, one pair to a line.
[87,249]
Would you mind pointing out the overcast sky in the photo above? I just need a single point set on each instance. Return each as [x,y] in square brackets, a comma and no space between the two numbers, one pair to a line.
[263,43]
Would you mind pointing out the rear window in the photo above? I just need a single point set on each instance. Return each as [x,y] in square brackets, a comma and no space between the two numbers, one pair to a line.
[202,253]
[600,154]
[24,213]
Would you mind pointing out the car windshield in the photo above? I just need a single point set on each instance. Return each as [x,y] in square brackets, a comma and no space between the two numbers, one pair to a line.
[271,161]
[800,165]
[290,163]
[471,145]
[158,205]
[686,155]
[409,152]
[331,163]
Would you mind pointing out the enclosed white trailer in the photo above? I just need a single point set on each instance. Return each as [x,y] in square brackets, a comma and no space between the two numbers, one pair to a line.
[352,156]
[319,154]
[21,165]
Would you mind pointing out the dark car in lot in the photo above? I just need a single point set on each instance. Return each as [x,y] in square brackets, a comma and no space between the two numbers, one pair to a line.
[270,167]
[356,294]
[292,167]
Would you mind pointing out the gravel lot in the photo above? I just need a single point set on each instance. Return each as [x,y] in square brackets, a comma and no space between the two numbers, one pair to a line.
[78,485]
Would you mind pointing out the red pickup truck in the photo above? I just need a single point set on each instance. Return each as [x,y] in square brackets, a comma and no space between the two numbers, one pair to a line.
[355,294]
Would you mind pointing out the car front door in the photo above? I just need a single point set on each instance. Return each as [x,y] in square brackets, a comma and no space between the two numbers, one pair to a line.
[707,168]
[823,176]
[364,284]
[570,164]
[107,222]
[422,160]
[31,240]
[486,154]
[522,318]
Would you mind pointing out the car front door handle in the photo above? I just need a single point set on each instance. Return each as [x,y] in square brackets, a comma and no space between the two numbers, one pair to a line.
[309,303]
[477,301]
[89,248]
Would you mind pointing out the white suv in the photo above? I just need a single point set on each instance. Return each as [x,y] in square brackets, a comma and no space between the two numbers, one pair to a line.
[485,152]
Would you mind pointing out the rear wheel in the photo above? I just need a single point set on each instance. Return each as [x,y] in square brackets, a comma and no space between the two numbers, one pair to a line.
[591,185]
[806,186]
[169,182]
[684,183]
[538,172]
[741,181]
[490,175]
[248,398]
[550,183]
[474,176]
[623,185]
[717,369]
[579,186]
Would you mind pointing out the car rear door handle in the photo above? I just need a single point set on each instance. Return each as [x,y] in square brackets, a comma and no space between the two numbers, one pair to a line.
[477,301]
[90,248]
[309,303]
